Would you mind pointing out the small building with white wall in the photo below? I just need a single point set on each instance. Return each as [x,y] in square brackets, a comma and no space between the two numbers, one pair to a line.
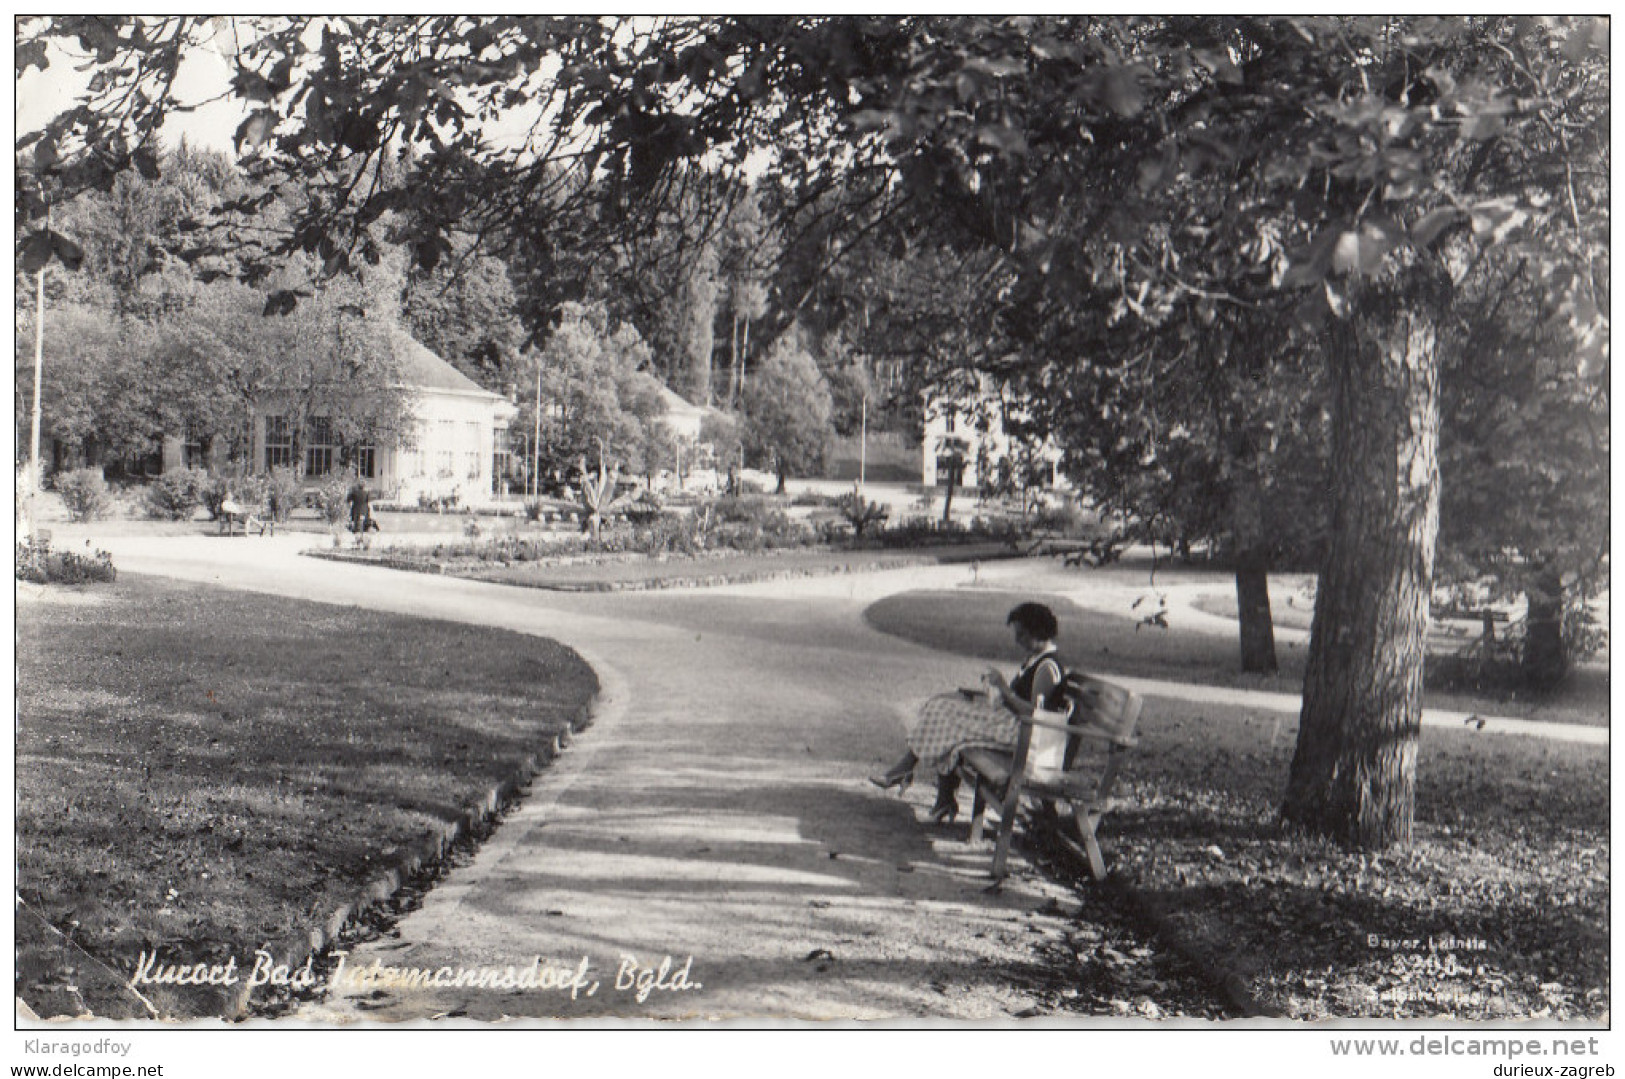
[973,419]
[458,440]
[685,420]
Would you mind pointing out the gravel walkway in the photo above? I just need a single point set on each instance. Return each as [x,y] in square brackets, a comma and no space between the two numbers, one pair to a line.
[714,822]
[716,810]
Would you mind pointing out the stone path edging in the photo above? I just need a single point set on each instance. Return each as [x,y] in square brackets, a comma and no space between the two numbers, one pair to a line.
[423,855]
[1227,980]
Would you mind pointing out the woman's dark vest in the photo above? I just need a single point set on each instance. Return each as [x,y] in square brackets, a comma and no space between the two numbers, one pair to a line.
[1022,684]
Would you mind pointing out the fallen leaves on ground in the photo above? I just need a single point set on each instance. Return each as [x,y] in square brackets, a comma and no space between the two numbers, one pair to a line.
[1497,910]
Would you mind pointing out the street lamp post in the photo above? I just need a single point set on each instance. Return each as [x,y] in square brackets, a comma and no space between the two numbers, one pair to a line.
[536,441]
[863,438]
[35,474]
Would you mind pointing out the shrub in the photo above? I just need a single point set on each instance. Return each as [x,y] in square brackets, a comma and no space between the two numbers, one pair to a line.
[920,532]
[860,512]
[1583,633]
[329,498]
[212,494]
[280,493]
[669,533]
[36,562]
[738,536]
[749,524]
[438,503]
[738,509]
[611,541]
[250,491]
[1066,519]
[644,510]
[533,510]
[174,495]
[84,493]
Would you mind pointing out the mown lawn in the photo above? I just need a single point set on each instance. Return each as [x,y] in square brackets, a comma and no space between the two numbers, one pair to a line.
[970,622]
[1498,910]
[204,772]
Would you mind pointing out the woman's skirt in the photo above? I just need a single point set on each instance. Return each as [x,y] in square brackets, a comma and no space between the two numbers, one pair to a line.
[950,724]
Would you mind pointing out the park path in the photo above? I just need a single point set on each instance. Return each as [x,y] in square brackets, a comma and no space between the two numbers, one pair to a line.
[716,811]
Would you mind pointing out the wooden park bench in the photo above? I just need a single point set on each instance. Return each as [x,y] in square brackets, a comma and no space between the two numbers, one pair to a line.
[240,518]
[1052,763]
[1489,646]
[234,518]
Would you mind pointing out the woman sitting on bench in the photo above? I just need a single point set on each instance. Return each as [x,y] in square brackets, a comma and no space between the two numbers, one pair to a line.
[232,513]
[950,723]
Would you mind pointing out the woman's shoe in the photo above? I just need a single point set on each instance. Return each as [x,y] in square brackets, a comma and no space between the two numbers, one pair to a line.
[948,811]
[900,780]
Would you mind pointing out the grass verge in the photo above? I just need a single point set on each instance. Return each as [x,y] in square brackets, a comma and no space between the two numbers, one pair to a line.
[202,772]
[1498,910]
[971,622]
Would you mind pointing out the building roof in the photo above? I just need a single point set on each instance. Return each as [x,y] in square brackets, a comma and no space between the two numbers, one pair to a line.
[421,369]
[677,405]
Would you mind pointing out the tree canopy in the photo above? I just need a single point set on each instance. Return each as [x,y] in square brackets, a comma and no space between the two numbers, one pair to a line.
[599,400]
[1123,201]
[787,411]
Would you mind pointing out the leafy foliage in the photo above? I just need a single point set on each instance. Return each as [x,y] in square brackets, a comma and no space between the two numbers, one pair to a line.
[330,498]
[174,495]
[39,564]
[84,494]
[1338,176]
[861,512]
[466,312]
[597,396]
[599,497]
[787,411]
[1524,452]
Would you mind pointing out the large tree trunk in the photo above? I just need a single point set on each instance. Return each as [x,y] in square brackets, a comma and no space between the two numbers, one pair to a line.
[1253,610]
[1545,658]
[1354,771]
[1252,556]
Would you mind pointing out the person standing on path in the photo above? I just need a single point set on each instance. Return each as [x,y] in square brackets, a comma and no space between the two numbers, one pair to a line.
[360,507]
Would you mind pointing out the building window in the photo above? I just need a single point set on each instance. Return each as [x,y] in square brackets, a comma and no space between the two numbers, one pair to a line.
[471,448]
[501,462]
[319,446]
[364,460]
[278,442]
[946,463]
[951,419]
[445,455]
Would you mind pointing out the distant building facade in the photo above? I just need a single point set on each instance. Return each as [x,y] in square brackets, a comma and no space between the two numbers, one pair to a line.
[698,469]
[457,446]
[970,422]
